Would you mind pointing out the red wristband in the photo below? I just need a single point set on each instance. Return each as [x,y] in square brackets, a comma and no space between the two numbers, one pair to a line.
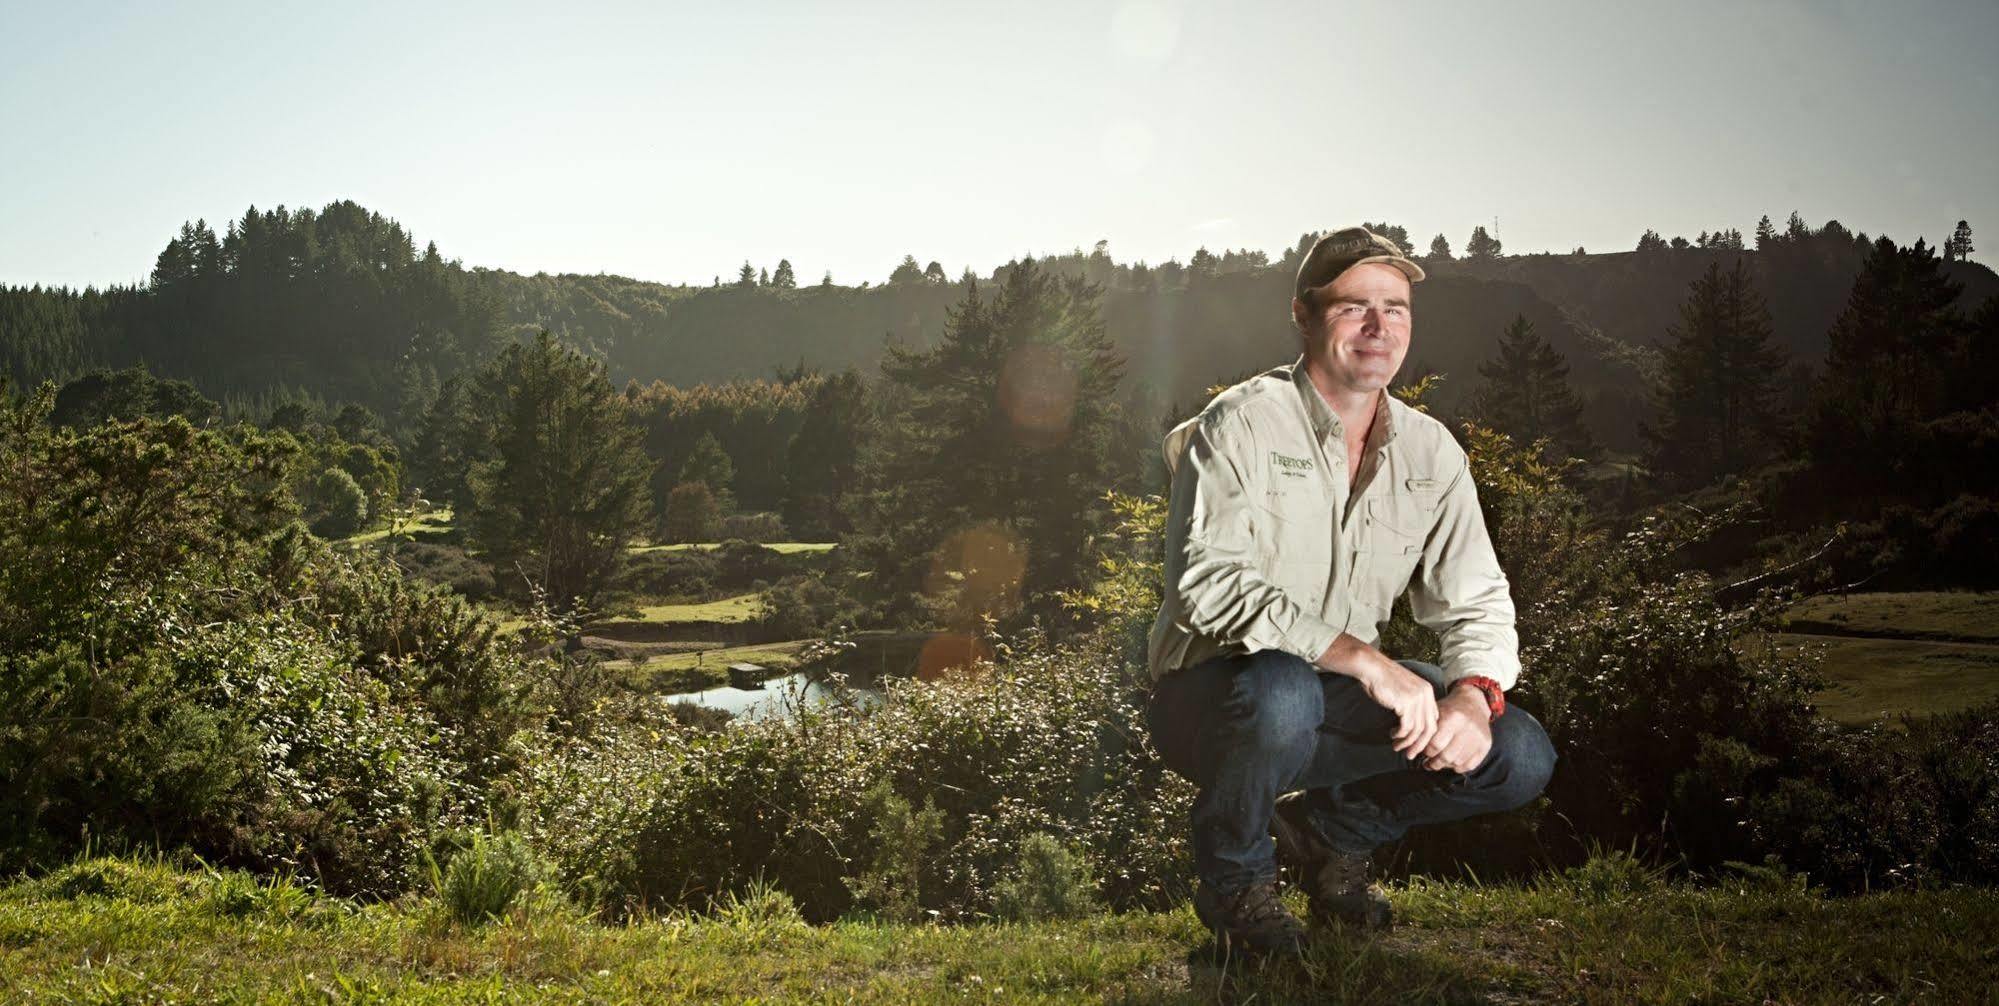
[1495,698]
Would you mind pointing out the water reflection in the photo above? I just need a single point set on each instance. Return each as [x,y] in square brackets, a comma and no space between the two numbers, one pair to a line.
[781,696]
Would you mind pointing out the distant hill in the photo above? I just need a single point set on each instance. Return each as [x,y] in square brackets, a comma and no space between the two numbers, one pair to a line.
[340,303]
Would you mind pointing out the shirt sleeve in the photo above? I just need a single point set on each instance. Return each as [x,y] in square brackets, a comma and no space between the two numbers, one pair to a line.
[1211,555]
[1462,595]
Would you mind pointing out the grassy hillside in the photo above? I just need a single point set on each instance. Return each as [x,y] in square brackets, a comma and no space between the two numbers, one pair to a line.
[1920,652]
[135,930]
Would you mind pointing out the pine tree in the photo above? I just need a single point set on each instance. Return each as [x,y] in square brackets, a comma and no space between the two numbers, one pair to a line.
[934,273]
[1796,231]
[1440,248]
[1960,243]
[991,451]
[1392,232]
[784,278]
[1766,234]
[1716,405]
[710,464]
[1888,364]
[565,486]
[747,276]
[820,461]
[1482,246]
[1650,242]
[907,272]
[1527,393]
[763,277]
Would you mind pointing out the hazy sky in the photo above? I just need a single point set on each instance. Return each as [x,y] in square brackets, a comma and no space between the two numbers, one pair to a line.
[673,142]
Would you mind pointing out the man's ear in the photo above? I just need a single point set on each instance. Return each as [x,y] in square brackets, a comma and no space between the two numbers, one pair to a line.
[1298,313]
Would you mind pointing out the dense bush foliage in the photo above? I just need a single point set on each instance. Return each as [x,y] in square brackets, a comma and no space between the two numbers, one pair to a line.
[181,663]
[1046,740]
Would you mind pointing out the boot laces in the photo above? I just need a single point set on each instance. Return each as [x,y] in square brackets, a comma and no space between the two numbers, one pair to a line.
[1258,903]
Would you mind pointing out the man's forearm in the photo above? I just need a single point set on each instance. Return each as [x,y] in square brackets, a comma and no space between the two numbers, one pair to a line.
[1351,656]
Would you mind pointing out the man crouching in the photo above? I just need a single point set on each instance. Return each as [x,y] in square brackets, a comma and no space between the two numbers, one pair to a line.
[1305,500]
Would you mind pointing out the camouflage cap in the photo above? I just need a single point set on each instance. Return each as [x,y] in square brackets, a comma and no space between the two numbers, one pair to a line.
[1342,250]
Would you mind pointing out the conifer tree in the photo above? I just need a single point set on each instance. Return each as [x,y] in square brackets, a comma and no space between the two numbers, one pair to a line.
[1716,406]
[1766,234]
[1482,246]
[784,278]
[1888,363]
[992,450]
[710,464]
[1440,248]
[907,272]
[820,461]
[1527,394]
[564,488]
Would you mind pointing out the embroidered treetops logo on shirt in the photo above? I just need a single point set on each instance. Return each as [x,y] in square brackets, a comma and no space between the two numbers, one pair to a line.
[1290,467]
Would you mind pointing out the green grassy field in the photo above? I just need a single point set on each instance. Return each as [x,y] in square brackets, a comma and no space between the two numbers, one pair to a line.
[436,522]
[1888,653]
[1941,615]
[1875,678]
[136,931]
[740,608]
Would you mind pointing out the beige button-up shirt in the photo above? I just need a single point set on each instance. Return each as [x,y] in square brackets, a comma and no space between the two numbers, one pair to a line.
[1267,549]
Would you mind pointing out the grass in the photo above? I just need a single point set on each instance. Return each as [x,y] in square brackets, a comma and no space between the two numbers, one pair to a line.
[102,931]
[435,522]
[673,673]
[1873,678]
[740,608]
[1920,652]
[1963,616]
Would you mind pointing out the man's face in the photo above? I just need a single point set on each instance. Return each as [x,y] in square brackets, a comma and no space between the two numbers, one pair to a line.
[1361,332]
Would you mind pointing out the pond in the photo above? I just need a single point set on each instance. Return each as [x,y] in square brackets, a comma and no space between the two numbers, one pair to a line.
[778,696]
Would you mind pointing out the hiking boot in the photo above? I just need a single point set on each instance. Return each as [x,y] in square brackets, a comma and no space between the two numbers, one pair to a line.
[1335,882]
[1250,921]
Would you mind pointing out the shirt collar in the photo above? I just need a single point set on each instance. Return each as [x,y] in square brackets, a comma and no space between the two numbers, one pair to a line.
[1325,421]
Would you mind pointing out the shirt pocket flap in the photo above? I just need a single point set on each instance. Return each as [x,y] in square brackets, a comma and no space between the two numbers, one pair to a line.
[1403,516]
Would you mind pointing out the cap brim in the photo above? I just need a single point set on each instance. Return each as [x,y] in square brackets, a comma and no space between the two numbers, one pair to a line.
[1409,269]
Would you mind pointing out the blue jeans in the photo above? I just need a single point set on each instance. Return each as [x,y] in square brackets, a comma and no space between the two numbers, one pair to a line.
[1247,728]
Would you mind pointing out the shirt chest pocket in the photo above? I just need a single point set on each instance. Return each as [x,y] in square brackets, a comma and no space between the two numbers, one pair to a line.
[1294,531]
[1390,545]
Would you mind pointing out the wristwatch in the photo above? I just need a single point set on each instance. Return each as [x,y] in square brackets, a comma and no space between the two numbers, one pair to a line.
[1495,698]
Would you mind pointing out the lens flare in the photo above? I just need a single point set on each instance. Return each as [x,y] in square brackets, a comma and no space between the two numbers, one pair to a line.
[1037,389]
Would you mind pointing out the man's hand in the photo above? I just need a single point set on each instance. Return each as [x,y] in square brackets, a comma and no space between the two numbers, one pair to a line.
[1392,686]
[1464,732]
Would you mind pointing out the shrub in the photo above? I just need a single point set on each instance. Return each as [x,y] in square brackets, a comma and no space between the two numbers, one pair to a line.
[760,526]
[1049,881]
[798,607]
[1049,739]
[337,507]
[486,878]
[761,908]
[447,566]
[900,840]
[692,513]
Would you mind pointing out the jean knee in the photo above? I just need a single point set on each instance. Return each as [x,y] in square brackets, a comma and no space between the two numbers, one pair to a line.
[1526,755]
[1275,699]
